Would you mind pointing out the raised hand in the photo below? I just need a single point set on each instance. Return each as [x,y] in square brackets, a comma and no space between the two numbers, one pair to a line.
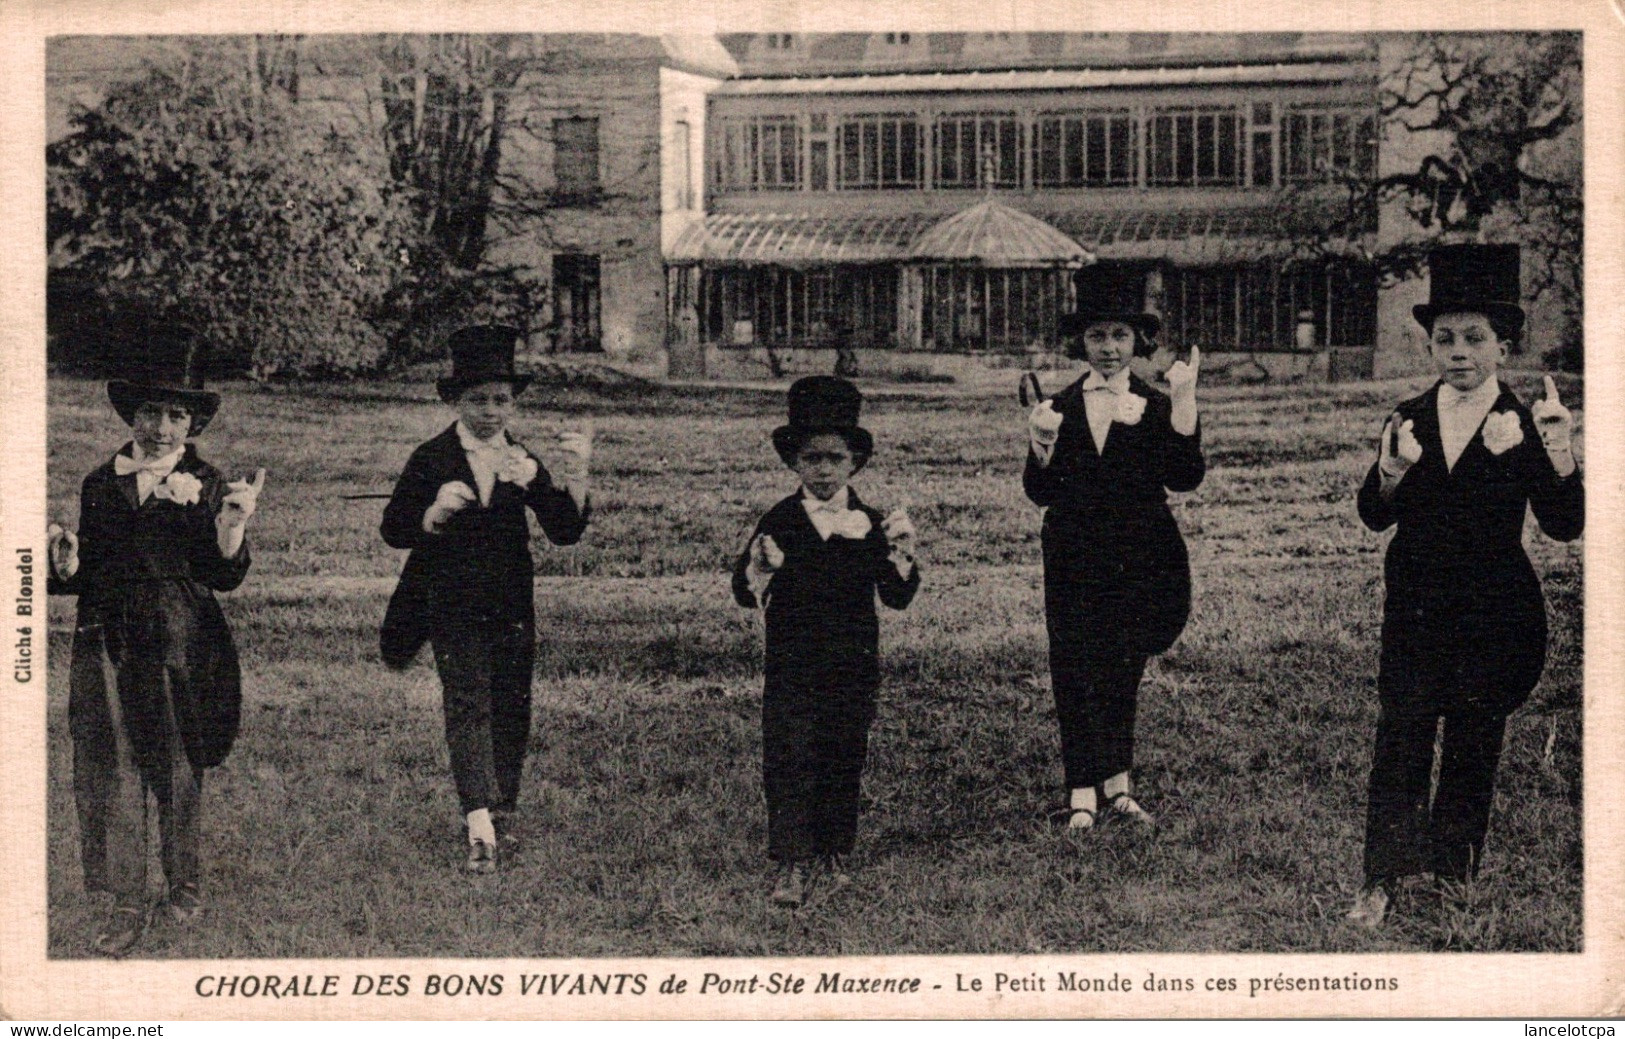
[1399,449]
[241,500]
[63,547]
[1553,421]
[575,449]
[766,554]
[452,498]
[1181,375]
[1043,429]
[899,529]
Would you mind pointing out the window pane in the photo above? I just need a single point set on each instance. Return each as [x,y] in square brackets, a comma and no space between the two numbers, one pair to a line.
[910,160]
[1184,154]
[1227,165]
[818,161]
[1263,160]
[1122,151]
[1097,151]
[1206,148]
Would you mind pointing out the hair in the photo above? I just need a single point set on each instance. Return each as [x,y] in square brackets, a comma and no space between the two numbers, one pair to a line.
[1507,327]
[1074,348]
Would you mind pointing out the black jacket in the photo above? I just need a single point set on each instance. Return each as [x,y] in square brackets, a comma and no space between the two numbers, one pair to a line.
[478,566]
[1113,555]
[822,626]
[147,576]
[1463,604]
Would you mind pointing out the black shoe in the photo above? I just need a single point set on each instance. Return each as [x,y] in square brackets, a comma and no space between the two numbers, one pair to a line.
[792,885]
[184,903]
[1370,907]
[124,927]
[509,840]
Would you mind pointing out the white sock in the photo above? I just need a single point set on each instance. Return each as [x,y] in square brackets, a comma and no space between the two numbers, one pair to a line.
[480,827]
[1117,784]
[1083,797]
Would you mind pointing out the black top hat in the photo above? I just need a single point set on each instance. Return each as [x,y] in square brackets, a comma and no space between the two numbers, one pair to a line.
[823,404]
[1109,292]
[1477,279]
[481,353]
[162,363]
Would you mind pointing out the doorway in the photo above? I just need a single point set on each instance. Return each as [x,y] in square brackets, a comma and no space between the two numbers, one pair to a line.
[576,327]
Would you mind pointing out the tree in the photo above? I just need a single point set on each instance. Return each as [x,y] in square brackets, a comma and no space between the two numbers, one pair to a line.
[1506,111]
[196,193]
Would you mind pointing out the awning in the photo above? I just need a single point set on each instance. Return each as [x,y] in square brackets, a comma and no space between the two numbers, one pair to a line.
[991,234]
[998,235]
[799,239]
[1212,237]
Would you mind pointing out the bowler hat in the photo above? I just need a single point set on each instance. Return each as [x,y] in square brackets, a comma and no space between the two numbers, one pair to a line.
[823,404]
[1473,279]
[1111,292]
[481,353]
[160,362]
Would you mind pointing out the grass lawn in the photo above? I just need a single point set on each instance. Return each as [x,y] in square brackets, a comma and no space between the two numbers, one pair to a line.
[332,830]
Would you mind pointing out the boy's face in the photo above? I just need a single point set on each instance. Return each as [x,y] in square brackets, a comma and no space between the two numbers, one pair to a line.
[825,464]
[1107,346]
[486,408]
[1465,349]
[160,427]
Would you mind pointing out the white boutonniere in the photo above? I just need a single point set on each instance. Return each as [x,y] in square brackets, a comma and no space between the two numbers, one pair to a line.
[516,467]
[1130,407]
[1502,431]
[180,488]
[854,523]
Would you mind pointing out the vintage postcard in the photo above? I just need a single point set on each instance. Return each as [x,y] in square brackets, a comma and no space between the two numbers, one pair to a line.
[710,510]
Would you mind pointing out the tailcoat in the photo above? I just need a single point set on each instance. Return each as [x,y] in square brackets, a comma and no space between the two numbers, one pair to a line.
[1117,582]
[468,590]
[1463,634]
[821,673]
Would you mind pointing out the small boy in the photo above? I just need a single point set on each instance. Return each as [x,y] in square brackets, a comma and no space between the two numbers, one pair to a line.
[155,693]
[466,588]
[815,563]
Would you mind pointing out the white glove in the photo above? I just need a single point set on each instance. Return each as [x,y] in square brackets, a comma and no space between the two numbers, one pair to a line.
[1043,429]
[575,449]
[1395,465]
[766,555]
[899,530]
[453,497]
[1181,375]
[1553,421]
[63,546]
[238,505]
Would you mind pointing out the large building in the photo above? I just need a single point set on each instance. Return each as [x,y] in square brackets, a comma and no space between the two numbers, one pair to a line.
[742,204]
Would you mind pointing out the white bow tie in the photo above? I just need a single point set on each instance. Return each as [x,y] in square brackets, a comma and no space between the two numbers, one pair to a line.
[124,465]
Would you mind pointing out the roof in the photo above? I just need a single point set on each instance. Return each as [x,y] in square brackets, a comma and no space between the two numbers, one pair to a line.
[1038,79]
[702,55]
[800,239]
[1191,238]
[994,235]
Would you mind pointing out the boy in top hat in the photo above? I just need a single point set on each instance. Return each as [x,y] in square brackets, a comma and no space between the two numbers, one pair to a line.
[154,688]
[1464,622]
[1103,454]
[815,562]
[459,508]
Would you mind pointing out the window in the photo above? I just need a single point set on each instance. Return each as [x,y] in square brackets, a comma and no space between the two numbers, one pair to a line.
[898,39]
[971,146]
[1320,144]
[785,307]
[780,41]
[684,170]
[1263,158]
[1255,307]
[575,157]
[1094,150]
[1194,147]
[760,154]
[878,151]
[970,309]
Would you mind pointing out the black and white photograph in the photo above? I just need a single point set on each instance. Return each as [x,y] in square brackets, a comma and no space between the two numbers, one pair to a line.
[1083,520]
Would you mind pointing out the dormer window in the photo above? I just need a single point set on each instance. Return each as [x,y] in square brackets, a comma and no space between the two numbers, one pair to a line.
[781,41]
[898,39]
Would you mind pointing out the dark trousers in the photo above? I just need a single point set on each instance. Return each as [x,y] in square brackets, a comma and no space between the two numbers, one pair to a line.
[113,793]
[813,754]
[1096,690]
[485,677]
[1404,834]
